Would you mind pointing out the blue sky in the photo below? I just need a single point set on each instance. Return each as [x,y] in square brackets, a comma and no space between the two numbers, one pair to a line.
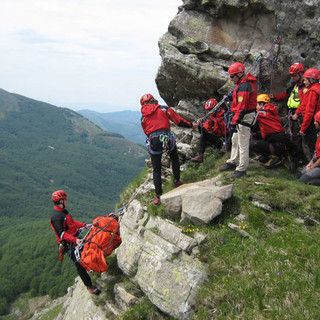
[95,54]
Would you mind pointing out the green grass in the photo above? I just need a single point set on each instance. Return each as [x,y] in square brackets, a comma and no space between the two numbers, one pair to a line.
[275,273]
[52,314]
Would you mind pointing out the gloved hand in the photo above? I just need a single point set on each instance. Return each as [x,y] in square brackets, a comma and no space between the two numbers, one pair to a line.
[233,128]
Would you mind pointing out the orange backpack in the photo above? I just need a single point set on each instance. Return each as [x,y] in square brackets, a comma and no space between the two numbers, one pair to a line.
[103,238]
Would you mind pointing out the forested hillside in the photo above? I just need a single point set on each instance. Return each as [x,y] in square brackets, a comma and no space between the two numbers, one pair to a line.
[127,123]
[44,148]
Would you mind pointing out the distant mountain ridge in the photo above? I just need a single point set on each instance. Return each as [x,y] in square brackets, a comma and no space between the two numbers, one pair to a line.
[126,123]
[45,148]
[56,147]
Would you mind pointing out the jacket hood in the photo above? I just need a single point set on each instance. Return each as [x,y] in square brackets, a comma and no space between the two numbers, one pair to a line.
[250,77]
[148,109]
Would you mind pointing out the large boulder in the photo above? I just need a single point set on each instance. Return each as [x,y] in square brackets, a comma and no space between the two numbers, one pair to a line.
[205,37]
[198,202]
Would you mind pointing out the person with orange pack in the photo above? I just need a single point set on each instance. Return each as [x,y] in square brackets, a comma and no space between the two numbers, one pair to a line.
[212,129]
[67,231]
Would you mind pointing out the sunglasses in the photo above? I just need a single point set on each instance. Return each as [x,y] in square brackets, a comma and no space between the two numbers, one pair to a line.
[232,76]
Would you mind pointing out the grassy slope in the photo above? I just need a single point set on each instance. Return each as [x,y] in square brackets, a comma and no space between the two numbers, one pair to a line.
[275,273]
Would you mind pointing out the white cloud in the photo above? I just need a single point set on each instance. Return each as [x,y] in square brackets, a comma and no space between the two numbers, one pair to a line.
[82,52]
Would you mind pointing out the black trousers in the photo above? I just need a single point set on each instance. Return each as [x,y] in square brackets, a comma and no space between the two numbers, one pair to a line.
[156,165]
[273,144]
[309,141]
[208,139]
[82,272]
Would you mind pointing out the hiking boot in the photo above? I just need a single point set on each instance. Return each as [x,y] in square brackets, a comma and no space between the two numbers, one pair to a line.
[157,201]
[177,183]
[198,159]
[272,162]
[94,290]
[263,159]
[238,174]
[227,167]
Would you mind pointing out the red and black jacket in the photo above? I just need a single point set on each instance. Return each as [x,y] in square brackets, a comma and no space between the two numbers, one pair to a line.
[269,121]
[216,124]
[64,226]
[311,103]
[244,98]
[156,117]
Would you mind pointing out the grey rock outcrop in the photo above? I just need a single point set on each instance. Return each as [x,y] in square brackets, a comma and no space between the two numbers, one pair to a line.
[205,37]
[78,305]
[157,256]
[198,202]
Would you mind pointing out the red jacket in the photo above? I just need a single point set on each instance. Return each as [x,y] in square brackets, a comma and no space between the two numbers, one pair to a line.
[156,117]
[244,98]
[318,147]
[268,120]
[64,226]
[301,107]
[311,102]
[216,125]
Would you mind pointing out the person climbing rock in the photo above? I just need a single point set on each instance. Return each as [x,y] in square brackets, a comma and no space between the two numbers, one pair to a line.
[155,122]
[212,129]
[67,230]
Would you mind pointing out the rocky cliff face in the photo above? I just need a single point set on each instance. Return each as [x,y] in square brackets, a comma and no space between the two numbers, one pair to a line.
[206,36]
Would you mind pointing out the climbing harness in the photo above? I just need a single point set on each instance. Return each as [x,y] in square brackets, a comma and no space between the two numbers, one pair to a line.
[167,142]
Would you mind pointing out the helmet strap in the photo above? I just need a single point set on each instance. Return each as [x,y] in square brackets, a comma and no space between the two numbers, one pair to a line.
[61,204]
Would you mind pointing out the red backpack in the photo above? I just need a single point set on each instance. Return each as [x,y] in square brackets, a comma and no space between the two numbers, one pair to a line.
[103,238]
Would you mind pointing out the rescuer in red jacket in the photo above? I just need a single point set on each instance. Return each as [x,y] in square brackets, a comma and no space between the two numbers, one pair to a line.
[311,173]
[67,231]
[294,93]
[243,107]
[311,105]
[212,129]
[155,122]
[294,96]
[275,142]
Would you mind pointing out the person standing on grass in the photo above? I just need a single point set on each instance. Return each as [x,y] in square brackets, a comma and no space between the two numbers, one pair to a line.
[243,107]
[155,122]
[311,105]
[294,96]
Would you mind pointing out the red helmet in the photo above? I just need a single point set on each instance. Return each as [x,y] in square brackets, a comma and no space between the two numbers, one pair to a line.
[312,73]
[296,68]
[58,195]
[211,103]
[236,67]
[146,97]
[317,116]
